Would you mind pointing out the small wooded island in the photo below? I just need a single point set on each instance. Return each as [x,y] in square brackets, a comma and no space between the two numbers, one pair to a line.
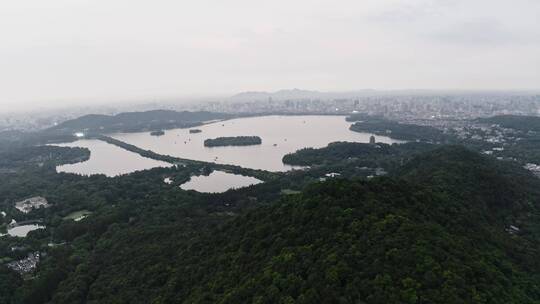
[157,133]
[233,141]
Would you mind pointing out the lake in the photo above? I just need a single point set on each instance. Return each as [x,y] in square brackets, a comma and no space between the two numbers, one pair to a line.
[78,215]
[218,181]
[108,159]
[280,135]
[22,231]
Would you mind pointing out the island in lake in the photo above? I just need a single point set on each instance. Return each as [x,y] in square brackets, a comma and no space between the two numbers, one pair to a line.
[193,131]
[157,133]
[233,141]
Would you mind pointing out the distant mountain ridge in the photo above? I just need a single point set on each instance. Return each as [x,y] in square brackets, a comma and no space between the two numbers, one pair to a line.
[310,94]
[279,95]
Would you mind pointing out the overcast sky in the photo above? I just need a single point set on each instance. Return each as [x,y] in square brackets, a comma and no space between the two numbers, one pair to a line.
[61,52]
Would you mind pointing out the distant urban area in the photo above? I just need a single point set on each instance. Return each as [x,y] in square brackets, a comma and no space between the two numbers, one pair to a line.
[438,109]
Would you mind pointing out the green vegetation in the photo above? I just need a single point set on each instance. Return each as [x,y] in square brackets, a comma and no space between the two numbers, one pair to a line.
[385,241]
[95,125]
[37,156]
[520,123]
[136,121]
[521,139]
[157,133]
[356,159]
[233,141]
[363,117]
[336,152]
[400,131]
[9,282]
[435,229]
[347,151]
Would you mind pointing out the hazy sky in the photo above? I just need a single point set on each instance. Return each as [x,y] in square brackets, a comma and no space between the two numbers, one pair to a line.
[60,52]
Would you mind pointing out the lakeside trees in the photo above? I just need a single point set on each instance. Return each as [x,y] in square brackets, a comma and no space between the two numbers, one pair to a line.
[434,231]
[401,131]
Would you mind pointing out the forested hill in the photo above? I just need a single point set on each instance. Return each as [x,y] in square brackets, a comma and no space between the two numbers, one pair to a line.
[410,238]
[347,151]
[401,131]
[137,121]
[471,175]
[36,156]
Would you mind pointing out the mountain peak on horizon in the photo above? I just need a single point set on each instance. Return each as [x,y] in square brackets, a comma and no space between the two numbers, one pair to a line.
[279,94]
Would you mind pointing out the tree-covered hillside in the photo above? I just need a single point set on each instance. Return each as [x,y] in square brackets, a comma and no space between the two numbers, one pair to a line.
[136,121]
[16,157]
[434,232]
[443,225]
[348,151]
[401,131]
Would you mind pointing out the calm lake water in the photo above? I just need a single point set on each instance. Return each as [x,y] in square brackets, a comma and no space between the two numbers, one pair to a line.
[280,135]
[108,159]
[218,181]
[22,231]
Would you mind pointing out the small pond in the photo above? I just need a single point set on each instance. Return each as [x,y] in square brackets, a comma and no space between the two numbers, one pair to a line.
[218,181]
[78,215]
[22,231]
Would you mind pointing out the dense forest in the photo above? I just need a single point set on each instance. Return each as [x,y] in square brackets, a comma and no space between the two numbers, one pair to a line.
[359,153]
[95,125]
[136,121]
[443,224]
[390,240]
[14,158]
[396,130]
[434,231]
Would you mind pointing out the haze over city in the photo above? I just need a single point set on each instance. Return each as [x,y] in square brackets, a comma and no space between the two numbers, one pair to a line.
[61,53]
[288,152]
